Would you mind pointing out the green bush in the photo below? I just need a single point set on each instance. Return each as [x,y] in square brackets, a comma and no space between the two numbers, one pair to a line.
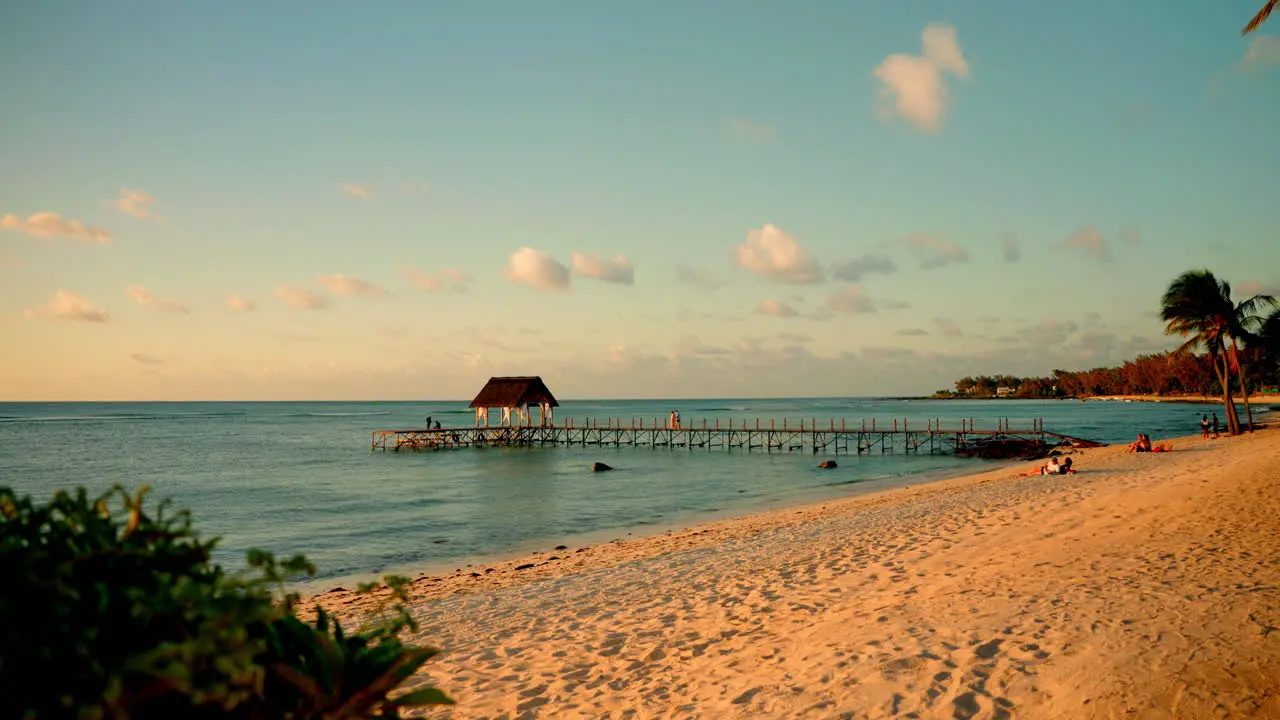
[107,612]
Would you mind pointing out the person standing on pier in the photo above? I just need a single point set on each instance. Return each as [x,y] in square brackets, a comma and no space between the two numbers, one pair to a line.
[675,418]
[428,422]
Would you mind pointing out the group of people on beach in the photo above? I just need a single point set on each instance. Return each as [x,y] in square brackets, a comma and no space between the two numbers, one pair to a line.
[1205,426]
[1143,444]
[1053,467]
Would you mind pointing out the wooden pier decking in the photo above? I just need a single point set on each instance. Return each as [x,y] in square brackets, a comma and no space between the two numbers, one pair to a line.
[833,438]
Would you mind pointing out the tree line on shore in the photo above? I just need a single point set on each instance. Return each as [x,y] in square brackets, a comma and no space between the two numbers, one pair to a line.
[1240,354]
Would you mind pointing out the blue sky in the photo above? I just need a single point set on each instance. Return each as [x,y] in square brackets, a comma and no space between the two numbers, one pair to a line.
[1022,179]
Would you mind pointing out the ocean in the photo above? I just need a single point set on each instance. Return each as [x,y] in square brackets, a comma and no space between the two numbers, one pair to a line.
[294,477]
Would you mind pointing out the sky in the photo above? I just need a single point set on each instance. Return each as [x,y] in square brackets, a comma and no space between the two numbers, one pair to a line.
[729,198]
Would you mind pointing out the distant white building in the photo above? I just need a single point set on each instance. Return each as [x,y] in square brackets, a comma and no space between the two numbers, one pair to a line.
[1005,390]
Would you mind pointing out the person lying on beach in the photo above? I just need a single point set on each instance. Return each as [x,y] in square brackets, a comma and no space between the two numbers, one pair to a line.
[1053,467]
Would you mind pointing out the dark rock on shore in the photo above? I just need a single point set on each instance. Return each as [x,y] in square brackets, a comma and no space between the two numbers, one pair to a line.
[600,467]
[828,464]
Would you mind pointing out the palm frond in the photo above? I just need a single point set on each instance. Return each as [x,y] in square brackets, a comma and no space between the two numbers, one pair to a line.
[1260,18]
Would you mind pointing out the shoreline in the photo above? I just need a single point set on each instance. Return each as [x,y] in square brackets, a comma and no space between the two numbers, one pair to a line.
[1146,583]
[538,550]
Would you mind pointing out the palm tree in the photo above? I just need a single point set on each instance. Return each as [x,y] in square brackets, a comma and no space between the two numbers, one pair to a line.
[1245,321]
[1260,18]
[1198,307]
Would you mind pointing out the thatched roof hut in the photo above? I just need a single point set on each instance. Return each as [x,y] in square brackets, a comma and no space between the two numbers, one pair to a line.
[513,392]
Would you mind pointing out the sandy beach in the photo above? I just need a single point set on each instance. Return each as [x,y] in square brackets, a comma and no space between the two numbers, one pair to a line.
[1145,586]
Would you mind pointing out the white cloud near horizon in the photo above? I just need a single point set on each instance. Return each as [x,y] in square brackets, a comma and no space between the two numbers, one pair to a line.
[67,305]
[1011,251]
[854,270]
[913,87]
[741,128]
[772,253]
[142,296]
[618,270]
[537,269]
[776,308]
[698,278]
[239,303]
[446,280]
[357,191]
[50,224]
[848,300]
[136,203]
[1263,52]
[340,284]
[935,252]
[301,298]
[146,359]
[1090,242]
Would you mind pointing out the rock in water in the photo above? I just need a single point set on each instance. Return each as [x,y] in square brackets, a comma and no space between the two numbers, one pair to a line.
[600,467]
[828,464]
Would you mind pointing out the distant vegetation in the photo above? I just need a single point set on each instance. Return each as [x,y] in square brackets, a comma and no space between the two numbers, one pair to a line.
[1241,353]
[111,613]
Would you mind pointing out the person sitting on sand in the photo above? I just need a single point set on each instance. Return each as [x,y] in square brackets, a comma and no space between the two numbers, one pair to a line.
[1142,444]
[1064,468]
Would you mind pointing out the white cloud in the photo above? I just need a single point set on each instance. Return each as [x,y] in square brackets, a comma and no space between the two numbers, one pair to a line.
[854,270]
[936,252]
[770,252]
[136,203]
[51,224]
[536,269]
[1249,288]
[912,332]
[448,279]
[1263,52]
[340,284]
[1049,332]
[848,300]
[776,308]
[301,298]
[912,86]
[741,128]
[239,303]
[795,338]
[145,359]
[698,278]
[357,191]
[1090,242]
[947,327]
[1012,252]
[143,297]
[894,305]
[67,305]
[617,270]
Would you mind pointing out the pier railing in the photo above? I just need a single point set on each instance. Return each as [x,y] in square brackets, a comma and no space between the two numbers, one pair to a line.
[771,435]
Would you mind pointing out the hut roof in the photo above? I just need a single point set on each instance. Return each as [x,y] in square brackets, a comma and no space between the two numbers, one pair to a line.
[513,392]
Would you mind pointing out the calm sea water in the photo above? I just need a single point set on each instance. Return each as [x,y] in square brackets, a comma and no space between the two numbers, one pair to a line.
[299,477]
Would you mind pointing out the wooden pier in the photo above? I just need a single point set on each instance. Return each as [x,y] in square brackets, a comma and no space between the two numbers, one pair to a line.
[832,437]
